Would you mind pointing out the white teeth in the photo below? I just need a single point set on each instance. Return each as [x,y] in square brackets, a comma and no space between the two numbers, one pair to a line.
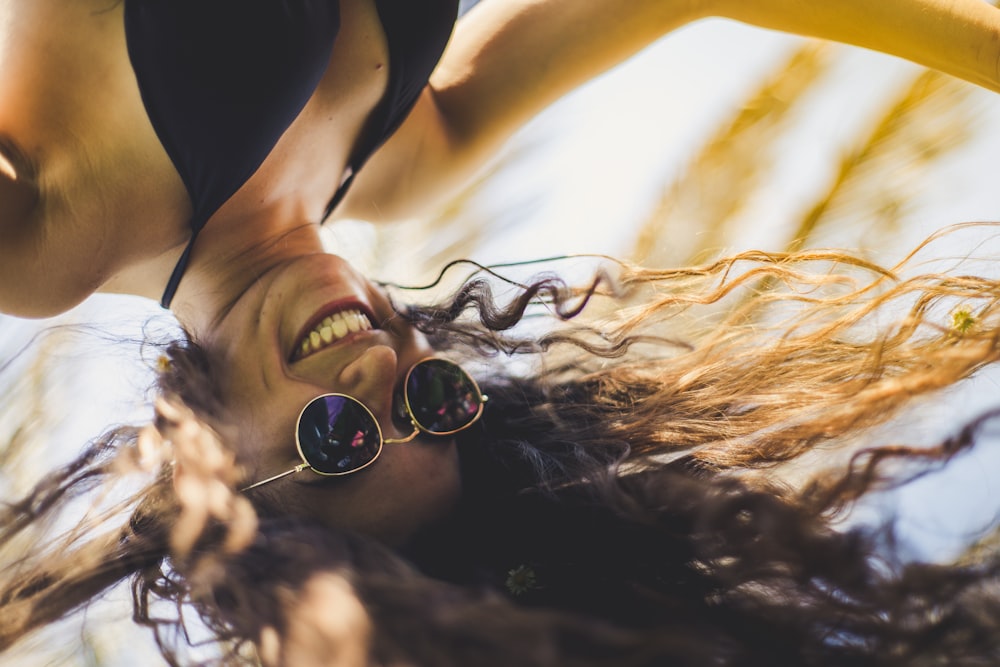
[339,327]
[332,329]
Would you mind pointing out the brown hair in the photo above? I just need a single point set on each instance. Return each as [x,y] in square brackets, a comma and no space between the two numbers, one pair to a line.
[627,501]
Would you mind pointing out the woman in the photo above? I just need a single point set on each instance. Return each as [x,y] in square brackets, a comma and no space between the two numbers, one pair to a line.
[336,282]
[148,141]
[600,507]
[257,280]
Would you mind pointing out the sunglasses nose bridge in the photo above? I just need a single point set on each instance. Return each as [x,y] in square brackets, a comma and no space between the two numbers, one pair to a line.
[397,441]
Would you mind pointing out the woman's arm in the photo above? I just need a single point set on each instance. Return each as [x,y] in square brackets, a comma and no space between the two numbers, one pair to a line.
[506,61]
[958,37]
[509,59]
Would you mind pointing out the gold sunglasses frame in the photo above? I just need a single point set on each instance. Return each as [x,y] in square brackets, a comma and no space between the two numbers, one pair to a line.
[383,441]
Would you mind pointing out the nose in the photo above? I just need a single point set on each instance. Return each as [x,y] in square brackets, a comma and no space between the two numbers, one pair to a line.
[372,378]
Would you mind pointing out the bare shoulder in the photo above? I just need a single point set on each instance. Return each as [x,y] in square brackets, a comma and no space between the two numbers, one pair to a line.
[85,184]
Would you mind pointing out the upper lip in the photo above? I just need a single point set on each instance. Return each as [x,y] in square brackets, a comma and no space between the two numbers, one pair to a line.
[327,310]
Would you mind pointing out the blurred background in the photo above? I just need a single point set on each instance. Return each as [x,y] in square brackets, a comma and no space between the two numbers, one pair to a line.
[717,139]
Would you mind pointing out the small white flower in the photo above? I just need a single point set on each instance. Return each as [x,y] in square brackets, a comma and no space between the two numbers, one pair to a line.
[521,579]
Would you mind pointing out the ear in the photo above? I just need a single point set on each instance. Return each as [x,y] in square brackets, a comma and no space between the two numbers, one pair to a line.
[204,478]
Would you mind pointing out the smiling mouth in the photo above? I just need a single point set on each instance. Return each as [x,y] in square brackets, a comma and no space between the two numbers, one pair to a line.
[330,330]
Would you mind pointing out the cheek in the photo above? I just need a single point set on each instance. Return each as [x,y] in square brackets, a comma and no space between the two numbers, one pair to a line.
[263,447]
[410,486]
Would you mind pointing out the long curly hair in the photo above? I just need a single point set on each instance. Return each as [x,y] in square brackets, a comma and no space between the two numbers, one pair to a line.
[629,496]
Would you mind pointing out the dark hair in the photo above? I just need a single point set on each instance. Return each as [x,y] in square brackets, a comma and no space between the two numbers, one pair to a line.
[624,501]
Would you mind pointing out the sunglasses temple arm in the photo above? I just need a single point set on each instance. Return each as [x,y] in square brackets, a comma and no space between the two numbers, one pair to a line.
[298,468]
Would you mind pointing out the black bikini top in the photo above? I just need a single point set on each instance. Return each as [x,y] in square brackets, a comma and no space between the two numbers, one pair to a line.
[221,80]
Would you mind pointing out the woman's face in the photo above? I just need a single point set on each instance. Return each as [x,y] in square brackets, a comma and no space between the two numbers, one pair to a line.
[309,326]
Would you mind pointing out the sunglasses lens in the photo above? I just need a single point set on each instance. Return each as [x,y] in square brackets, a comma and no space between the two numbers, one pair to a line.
[442,397]
[337,435]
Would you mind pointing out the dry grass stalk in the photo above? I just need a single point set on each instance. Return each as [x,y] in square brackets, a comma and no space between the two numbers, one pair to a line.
[26,416]
[875,181]
[691,215]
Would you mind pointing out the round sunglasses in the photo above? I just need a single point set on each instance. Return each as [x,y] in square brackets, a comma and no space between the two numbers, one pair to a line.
[337,434]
